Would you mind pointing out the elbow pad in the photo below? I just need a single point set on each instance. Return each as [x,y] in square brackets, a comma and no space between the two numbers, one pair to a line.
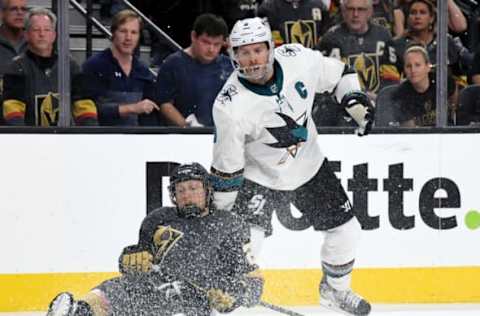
[360,108]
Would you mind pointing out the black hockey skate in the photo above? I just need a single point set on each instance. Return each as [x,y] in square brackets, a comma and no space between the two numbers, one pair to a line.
[347,302]
[62,305]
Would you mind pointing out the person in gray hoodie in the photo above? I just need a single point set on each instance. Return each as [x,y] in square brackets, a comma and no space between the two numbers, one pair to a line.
[12,42]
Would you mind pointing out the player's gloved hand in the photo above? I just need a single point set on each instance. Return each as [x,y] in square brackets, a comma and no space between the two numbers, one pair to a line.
[220,301]
[360,108]
[366,126]
[135,259]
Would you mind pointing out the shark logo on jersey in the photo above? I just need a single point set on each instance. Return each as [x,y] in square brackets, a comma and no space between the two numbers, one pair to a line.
[227,94]
[290,136]
[288,50]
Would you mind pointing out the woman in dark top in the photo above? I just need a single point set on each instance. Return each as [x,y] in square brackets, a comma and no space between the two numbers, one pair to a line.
[416,96]
[421,21]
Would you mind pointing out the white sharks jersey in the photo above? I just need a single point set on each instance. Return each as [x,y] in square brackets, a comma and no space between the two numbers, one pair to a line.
[267,131]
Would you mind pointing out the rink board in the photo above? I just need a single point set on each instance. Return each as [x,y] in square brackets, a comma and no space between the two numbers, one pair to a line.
[70,203]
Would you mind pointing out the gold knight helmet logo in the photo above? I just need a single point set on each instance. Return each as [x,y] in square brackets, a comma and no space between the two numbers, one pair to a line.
[367,71]
[302,32]
[164,238]
[47,109]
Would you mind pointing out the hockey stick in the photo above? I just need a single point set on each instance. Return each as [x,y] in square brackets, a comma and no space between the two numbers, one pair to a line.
[279,309]
[264,304]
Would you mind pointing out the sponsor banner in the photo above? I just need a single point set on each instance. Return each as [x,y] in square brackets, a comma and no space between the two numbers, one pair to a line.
[70,203]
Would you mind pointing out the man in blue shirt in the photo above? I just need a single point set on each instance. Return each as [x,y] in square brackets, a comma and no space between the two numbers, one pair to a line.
[189,80]
[122,85]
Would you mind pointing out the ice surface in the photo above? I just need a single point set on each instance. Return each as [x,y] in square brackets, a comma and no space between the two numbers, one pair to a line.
[378,310]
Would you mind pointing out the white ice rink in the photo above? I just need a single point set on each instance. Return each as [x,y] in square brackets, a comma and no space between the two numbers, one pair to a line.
[378,310]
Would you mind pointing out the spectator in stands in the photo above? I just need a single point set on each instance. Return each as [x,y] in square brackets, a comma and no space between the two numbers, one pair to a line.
[12,42]
[362,45]
[421,29]
[457,22]
[188,81]
[416,96]
[122,85]
[296,21]
[30,82]
[382,12]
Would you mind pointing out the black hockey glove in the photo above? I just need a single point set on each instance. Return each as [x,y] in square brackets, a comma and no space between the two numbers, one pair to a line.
[245,291]
[135,258]
[360,108]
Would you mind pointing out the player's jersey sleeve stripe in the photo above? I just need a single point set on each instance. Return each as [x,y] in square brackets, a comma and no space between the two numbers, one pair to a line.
[226,182]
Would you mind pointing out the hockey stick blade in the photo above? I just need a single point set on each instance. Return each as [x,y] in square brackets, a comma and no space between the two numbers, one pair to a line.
[279,309]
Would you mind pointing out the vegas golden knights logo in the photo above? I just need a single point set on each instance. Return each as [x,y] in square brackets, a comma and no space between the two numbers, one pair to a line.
[366,66]
[47,109]
[164,238]
[302,32]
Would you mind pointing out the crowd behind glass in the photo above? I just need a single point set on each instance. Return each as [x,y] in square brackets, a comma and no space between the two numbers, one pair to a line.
[391,45]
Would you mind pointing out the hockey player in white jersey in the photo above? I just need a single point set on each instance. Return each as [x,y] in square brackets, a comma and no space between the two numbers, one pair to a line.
[266,152]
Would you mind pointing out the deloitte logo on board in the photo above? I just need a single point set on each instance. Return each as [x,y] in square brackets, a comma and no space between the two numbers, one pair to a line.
[429,206]
[472,219]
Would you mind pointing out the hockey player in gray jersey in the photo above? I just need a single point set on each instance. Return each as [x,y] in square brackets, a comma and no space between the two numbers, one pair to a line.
[190,260]
[266,152]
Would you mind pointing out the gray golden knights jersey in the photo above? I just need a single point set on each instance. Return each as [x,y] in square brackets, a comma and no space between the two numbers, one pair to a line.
[267,132]
[371,54]
[304,24]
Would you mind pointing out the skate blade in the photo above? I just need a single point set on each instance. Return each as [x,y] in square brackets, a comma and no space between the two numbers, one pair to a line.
[331,306]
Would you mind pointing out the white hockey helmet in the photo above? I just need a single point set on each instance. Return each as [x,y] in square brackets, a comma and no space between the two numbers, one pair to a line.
[246,32]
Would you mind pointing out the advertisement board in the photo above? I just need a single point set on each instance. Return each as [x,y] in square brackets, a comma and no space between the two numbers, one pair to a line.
[70,203]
